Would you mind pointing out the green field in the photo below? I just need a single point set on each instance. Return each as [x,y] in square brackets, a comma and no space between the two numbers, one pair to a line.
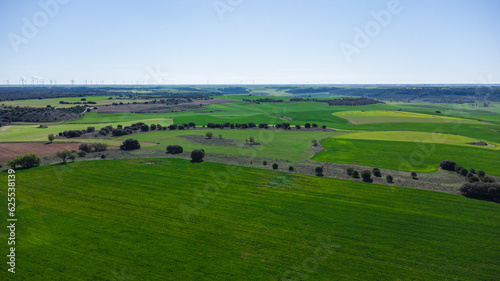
[100,100]
[128,222]
[408,136]
[377,116]
[407,156]
[286,145]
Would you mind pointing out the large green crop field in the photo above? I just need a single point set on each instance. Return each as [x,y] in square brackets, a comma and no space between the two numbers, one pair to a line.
[169,219]
[407,156]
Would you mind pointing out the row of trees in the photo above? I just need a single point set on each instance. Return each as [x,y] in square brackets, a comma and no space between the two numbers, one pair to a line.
[471,175]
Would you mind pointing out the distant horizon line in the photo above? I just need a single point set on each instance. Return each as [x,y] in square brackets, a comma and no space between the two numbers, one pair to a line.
[232,84]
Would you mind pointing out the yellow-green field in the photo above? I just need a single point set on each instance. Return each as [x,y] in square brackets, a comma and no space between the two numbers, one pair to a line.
[408,136]
[100,100]
[383,116]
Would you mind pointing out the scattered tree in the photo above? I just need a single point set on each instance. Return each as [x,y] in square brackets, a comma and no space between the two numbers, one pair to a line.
[130,144]
[315,142]
[291,169]
[63,154]
[51,137]
[447,165]
[86,147]
[275,166]
[481,190]
[349,171]
[174,149]
[481,174]
[73,155]
[355,174]
[319,171]
[414,175]
[389,178]
[366,175]
[264,163]
[307,125]
[99,146]
[209,135]
[197,155]
[376,172]
[82,153]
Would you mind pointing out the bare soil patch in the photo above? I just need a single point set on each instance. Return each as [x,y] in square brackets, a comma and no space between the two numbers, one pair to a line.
[10,150]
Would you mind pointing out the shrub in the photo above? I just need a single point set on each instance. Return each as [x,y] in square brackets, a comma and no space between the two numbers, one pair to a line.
[297,127]
[319,171]
[172,127]
[447,165]
[251,140]
[413,175]
[481,174]
[103,156]
[220,136]
[181,127]
[192,125]
[481,190]
[472,171]
[72,155]
[464,172]
[349,171]
[324,127]
[264,163]
[251,125]
[291,169]
[473,179]
[82,153]
[175,149]
[51,137]
[99,146]
[152,127]
[209,135]
[355,174]
[314,125]
[197,155]
[102,132]
[144,128]
[366,175]
[90,129]
[275,166]
[130,144]
[487,179]
[307,125]
[63,154]
[26,161]
[389,178]
[263,126]
[86,147]
[376,172]
[118,132]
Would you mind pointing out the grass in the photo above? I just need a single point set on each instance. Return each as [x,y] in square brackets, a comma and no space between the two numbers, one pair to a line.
[409,136]
[369,117]
[294,146]
[73,226]
[406,156]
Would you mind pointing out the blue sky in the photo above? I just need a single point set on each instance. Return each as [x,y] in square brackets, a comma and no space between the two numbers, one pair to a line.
[250,41]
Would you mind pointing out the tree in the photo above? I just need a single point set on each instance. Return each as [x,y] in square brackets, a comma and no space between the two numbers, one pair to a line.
[86,147]
[63,154]
[315,142]
[376,172]
[174,149]
[181,127]
[297,127]
[51,137]
[355,174]
[275,166]
[414,175]
[487,179]
[152,127]
[473,179]
[72,155]
[197,155]
[307,125]
[26,161]
[366,175]
[264,163]
[324,127]
[349,171]
[315,125]
[220,136]
[291,169]
[447,165]
[144,128]
[251,140]
[481,190]
[191,125]
[389,178]
[481,174]
[209,135]
[130,144]
[82,153]
[319,171]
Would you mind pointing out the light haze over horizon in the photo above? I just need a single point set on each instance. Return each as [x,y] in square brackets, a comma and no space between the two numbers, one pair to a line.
[250,42]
